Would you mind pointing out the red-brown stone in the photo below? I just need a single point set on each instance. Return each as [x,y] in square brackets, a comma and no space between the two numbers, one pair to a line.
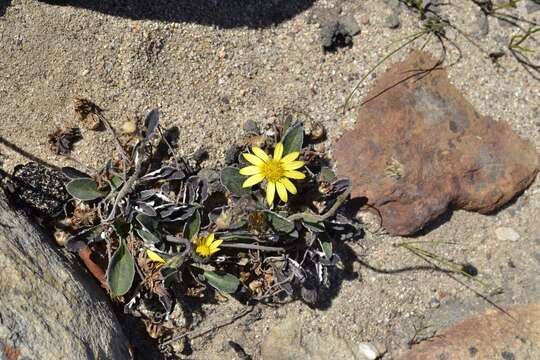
[511,333]
[419,148]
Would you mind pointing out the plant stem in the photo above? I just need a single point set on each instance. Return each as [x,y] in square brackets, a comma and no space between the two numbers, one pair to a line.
[252,247]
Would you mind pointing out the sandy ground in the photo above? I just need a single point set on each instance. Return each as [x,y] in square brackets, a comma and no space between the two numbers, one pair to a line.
[209,77]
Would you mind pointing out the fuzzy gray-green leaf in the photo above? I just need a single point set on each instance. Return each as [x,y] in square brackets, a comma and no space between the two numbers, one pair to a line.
[193,226]
[233,180]
[147,236]
[84,189]
[293,139]
[121,271]
[227,283]
[279,223]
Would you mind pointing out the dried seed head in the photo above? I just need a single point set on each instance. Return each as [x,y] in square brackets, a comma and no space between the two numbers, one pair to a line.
[258,141]
[255,286]
[60,236]
[223,221]
[87,113]
[83,215]
[129,127]
[61,141]
[325,187]
[316,131]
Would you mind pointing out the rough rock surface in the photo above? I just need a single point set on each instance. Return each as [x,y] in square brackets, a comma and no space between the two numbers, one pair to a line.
[495,334]
[419,148]
[49,309]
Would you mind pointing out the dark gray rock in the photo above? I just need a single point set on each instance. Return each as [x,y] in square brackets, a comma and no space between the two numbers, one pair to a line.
[532,6]
[50,309]
[392,21]
[338,31]
[394,5]
[251,127]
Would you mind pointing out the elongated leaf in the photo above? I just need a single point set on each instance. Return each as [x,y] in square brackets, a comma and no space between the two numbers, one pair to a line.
[147,236]
[151,122]
[326,244]
[84,189]
[121,271]
[147,222]
[293,139]
[327,175]
[116,182]
[279,223]
[235,236]
[314,226]
[232,180]
[192,227]
[73,173]
[227,283]
[310,218]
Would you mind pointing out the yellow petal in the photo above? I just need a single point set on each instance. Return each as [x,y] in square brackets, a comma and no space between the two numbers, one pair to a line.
[290,157]
[209,239]
[282,192]
[253,159]
[213,251]
[253,180]
[293,174]
[260,153]
[288,185]
[250,170]
[293,165]
[154,256]
[270,192]
[278,151]
[216,244]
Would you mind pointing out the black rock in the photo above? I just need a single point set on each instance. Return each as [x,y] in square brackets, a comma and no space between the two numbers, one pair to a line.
[39,189]
[338,32]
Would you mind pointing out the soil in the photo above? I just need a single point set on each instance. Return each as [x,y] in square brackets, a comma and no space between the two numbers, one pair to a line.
[209,75]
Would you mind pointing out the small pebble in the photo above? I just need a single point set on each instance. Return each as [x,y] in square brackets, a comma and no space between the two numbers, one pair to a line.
[251,127]
[507,234]
[368,351]
[364,20]
[434,303]
[392,21]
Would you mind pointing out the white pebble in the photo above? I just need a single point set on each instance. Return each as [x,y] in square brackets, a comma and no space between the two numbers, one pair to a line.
[507,234]
[368,351]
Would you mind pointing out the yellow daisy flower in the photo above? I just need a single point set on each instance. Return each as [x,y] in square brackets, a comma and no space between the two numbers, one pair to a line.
[277,170]
[208,246]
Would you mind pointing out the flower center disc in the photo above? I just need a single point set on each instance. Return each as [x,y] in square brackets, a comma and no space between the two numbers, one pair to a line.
[272,170]
[203,250]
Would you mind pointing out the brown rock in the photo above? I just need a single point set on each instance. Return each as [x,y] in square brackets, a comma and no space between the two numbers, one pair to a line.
[495,334]
[419,148]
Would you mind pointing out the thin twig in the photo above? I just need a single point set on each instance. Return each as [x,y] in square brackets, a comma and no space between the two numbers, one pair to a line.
[252,247]
[119,145]
[319,218]
[416,36]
